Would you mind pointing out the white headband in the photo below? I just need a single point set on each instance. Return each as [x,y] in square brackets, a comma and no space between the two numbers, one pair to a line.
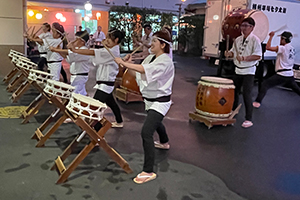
[59,32]
[169,43]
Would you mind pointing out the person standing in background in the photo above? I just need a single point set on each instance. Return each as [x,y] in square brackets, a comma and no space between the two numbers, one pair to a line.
[98,36]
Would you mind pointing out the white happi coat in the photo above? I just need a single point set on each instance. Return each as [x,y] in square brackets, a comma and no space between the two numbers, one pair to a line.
[156,82]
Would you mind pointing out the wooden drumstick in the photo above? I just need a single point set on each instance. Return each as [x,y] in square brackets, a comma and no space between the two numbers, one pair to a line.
[37,31]
[235,47]
[227,46]
[63,39]
[108,50]
[32,31]
[110,53]
[281,28]
[26,32]
[136,50]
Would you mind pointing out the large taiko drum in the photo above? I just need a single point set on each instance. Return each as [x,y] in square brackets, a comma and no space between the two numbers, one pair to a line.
[215,97]
[232,22]
[129,82]
[86,107]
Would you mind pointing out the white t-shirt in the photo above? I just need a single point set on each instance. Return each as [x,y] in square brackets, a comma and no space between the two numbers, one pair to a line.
[53,56]
[251,46]
[79,63]
[147,40]
[156,82]
[99,36]
[107,67]
[41,48]
[285,59]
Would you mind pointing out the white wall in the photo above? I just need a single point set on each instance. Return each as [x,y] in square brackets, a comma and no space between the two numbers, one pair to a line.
[11,22]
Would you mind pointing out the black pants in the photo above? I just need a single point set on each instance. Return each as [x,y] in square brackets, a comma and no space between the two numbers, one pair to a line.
[245,81]
[277,80]
[42,63]
[152,123]
[64,74]
[110,102]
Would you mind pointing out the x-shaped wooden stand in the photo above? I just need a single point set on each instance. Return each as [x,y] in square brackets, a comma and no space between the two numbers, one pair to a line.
[95,138]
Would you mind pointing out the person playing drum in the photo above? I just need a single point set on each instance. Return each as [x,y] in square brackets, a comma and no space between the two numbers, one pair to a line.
[155,79]
[53,59]
[79,64]
[145,41]
[43,52]
[283,67]
[246,52]
[106,72]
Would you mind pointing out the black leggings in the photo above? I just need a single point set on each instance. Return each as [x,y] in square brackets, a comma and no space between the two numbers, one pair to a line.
[245,81]
[64,74]
[42,63]
[110,102]
[277,80]
[152,123]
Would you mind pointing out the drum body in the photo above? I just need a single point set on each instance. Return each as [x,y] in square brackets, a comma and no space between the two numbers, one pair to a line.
[39,76]
[26,64]
[15,53]
[232,22]
[86,107]
[215,97]
[129,82]
[59,89]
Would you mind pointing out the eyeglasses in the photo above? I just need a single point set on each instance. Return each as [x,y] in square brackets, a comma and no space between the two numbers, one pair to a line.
[245,25]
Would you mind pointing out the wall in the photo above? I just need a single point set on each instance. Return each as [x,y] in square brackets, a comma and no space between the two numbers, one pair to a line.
[73,19]
[11,34]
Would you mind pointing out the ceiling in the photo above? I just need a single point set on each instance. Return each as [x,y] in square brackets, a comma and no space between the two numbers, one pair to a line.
[162,5]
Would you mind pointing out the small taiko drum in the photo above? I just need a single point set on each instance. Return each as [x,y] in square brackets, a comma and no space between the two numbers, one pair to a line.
[39,76]
[232,22]
[129,82]
[215,97]
[59,89]
[15,58]
[14,52]
[26,64]
[86,107]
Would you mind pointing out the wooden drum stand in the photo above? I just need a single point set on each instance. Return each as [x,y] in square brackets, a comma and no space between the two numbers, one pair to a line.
[80,107]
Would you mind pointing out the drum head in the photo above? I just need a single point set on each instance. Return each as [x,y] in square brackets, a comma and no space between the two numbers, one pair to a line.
[232,22]
[261,28]
[212,79]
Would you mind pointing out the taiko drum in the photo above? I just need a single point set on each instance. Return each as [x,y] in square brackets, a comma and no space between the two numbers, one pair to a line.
[215,97]
[129,82]
[232,22]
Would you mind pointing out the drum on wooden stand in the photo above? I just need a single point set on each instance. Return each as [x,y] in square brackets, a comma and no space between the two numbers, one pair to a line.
[129,83]
[59,89]
[215,97]
[15,53]
[232,22]
[39,76]
[86,107]
[26,64]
